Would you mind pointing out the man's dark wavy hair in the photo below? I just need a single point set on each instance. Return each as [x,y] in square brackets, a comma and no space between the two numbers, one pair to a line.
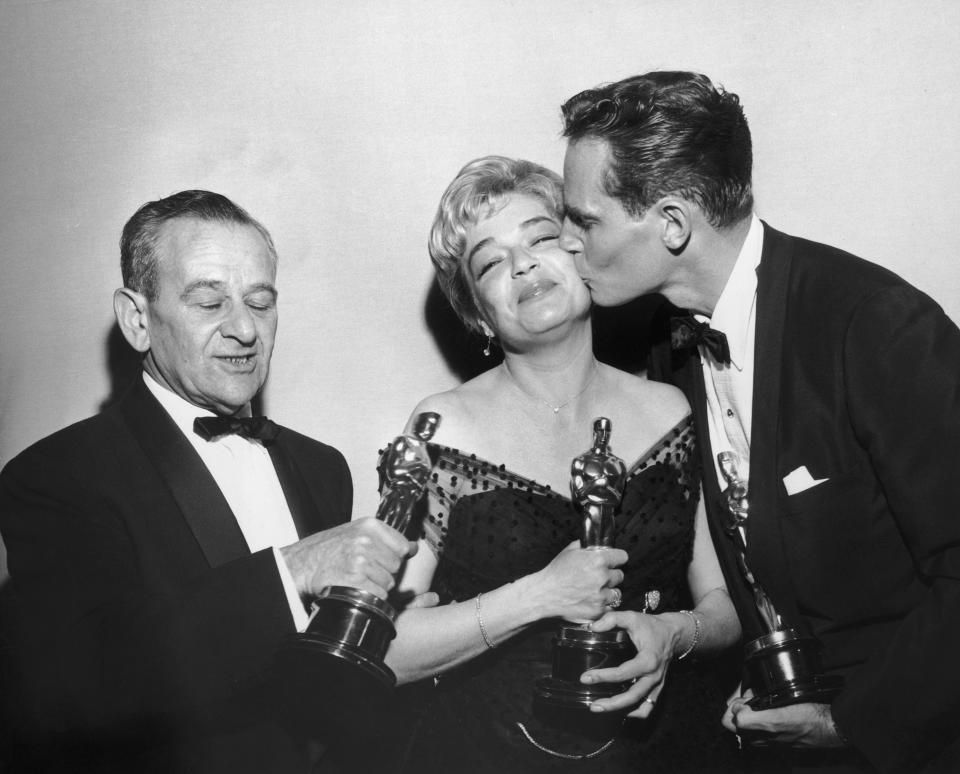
[138,242]
[669,133]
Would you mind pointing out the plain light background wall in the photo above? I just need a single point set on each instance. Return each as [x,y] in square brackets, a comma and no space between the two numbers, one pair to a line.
[339,124]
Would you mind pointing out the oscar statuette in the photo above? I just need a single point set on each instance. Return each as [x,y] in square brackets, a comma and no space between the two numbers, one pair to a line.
[782,667]
[350,629]
[597,479]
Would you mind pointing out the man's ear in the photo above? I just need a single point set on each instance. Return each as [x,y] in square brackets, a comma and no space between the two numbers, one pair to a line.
[676,223]
[130,307]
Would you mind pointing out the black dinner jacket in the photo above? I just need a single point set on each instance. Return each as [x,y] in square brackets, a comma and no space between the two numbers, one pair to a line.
[856,378]
[148,628]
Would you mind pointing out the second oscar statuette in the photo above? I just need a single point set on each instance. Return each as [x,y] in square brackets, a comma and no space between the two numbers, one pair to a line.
[597,479]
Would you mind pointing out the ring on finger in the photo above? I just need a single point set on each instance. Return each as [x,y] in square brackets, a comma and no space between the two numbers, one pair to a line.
[614,603]
[651,702]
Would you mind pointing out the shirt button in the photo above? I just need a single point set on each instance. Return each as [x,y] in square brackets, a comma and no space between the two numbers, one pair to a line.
[729,412]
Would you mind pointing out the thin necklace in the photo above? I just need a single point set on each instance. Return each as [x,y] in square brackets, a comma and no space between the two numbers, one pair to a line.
[567,402]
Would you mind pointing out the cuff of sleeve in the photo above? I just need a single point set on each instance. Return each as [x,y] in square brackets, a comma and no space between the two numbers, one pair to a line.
[300,617]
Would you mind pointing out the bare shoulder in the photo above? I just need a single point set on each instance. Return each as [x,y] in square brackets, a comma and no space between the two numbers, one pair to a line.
[637,387]
[443,403]
[457,408]
[667,399]
[650,408]
[447,404]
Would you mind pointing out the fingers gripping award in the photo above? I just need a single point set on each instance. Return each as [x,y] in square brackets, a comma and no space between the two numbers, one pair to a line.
[350,628]
[597,480]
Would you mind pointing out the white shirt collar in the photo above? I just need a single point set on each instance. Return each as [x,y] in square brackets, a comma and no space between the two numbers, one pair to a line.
[735,307]
[182,411]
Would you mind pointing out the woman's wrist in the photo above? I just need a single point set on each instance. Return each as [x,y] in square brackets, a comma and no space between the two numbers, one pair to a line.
[694,634]
[478,612]
[520,598]
[679,628]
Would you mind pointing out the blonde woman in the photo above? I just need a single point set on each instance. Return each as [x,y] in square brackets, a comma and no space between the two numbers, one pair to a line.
[499,536]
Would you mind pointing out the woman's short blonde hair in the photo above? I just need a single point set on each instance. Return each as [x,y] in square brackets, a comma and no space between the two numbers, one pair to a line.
[478,190]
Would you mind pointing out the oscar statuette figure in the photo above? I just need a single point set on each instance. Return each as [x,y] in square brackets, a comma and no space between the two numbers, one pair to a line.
[350,629]
[597,479]
[782,667]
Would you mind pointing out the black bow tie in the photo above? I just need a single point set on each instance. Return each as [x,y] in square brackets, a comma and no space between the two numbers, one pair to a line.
[260,428]
[690,332]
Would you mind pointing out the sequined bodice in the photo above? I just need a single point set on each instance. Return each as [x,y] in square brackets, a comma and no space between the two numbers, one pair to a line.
[489,525]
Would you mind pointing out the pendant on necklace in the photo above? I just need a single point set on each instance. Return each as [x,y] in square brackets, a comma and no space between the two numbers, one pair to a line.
[555,409]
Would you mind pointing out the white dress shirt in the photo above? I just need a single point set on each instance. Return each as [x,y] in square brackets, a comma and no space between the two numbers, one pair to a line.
[245,474]
[729,388]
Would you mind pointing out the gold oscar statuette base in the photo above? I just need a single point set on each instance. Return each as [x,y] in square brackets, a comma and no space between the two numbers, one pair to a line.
[784,668]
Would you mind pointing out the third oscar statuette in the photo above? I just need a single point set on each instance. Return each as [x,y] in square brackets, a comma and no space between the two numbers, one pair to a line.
[782,666]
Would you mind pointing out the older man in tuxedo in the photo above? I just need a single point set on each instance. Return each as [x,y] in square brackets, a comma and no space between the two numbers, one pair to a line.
[836,387]
[159,551]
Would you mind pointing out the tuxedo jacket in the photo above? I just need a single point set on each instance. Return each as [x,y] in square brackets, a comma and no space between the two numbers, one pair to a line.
[857,377]
[147,627]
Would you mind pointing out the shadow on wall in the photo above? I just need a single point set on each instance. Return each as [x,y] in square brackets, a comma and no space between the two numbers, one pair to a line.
[123,365]
[622,335]
[461,349]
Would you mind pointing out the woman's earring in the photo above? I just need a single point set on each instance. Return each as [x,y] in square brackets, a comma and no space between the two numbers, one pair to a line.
[489,334]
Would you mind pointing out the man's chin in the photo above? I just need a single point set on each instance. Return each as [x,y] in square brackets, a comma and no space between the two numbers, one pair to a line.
[228,403]
[614,295]
[601,298]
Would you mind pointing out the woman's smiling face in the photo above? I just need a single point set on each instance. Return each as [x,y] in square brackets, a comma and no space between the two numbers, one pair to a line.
[525,284]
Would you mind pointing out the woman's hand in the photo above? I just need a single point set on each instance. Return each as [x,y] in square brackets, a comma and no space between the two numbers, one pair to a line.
[655,638]
[578,584]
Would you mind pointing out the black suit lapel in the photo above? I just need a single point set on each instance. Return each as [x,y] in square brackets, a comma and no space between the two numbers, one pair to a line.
[193,488]
[765,550]
[295,491]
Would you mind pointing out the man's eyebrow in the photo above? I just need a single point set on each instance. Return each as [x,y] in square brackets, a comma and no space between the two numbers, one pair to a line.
[210,284]
[576,215]
[202,284]
[265,287]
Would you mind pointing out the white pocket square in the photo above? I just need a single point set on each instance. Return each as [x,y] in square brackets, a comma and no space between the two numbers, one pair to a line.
[800,480]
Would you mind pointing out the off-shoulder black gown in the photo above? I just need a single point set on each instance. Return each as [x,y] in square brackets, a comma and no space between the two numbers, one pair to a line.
[489,526]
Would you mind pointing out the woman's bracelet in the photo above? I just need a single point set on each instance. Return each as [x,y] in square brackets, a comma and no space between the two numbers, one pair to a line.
[483,629]
[696,634]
